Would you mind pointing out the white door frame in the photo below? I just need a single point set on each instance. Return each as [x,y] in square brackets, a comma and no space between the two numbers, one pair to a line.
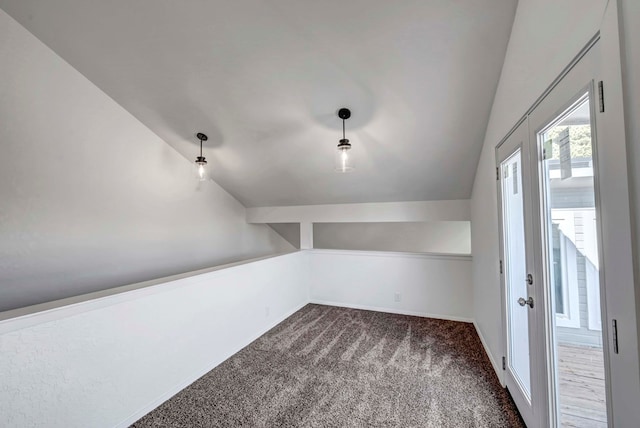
[571,89]
[616,229]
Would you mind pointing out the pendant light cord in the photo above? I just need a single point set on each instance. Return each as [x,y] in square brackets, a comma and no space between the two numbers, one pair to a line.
[343,135]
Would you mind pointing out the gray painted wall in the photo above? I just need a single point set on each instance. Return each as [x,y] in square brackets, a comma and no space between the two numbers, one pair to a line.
[581,335]
[289,231]
[90,197]
[452,237]
[576,193]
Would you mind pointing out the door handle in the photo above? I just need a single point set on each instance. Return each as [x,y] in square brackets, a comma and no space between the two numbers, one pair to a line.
[529,301]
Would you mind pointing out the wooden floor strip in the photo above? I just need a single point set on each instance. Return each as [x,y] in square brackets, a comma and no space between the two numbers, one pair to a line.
[581,387]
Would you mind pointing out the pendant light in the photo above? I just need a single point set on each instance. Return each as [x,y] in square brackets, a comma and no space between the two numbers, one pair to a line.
[344,157]
[201,162]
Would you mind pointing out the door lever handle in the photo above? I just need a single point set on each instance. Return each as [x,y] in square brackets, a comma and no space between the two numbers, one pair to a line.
[529,301]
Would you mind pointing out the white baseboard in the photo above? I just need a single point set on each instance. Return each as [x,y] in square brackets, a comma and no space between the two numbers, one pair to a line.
[198,374]
[400,254]
[392,311]
[496,367]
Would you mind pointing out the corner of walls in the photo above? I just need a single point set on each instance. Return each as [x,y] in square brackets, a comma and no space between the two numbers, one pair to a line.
[492,359]
[487,307]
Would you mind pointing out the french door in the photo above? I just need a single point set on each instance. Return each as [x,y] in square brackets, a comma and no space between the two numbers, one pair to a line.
[556,361]
[520,308]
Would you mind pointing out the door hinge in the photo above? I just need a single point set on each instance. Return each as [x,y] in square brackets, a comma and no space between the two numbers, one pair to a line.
[504,363]
[601,95]
[615,335]
[497,174]
[500,266]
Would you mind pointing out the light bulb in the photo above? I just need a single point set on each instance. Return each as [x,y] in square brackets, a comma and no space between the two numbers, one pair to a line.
[202,172]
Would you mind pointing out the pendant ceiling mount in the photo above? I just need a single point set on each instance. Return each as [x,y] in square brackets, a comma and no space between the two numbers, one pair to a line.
[344,113]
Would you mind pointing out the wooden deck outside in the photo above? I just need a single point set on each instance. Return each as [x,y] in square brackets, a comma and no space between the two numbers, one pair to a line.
[581,387]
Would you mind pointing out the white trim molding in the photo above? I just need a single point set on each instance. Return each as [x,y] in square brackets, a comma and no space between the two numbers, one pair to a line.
[387,254]
[496,367]
[16,319]
[392,311]
[450,210]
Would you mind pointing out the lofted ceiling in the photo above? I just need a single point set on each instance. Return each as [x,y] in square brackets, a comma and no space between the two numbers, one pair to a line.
[264,80]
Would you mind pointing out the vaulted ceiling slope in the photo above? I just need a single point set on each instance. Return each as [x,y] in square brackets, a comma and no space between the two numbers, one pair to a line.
[264,79]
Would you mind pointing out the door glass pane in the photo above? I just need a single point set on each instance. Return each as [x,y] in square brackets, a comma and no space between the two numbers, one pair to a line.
[573,273]
[515,271]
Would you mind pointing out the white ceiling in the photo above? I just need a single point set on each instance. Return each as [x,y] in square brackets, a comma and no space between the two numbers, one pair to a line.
[265,78]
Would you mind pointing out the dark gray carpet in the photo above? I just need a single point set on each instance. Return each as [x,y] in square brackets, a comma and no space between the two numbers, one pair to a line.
[337,367]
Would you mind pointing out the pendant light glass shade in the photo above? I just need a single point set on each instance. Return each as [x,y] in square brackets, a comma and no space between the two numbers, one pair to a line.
[201,169]
[344,157]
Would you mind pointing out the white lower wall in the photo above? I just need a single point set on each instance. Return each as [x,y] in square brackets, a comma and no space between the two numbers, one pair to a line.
[107,362]
[437,286]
